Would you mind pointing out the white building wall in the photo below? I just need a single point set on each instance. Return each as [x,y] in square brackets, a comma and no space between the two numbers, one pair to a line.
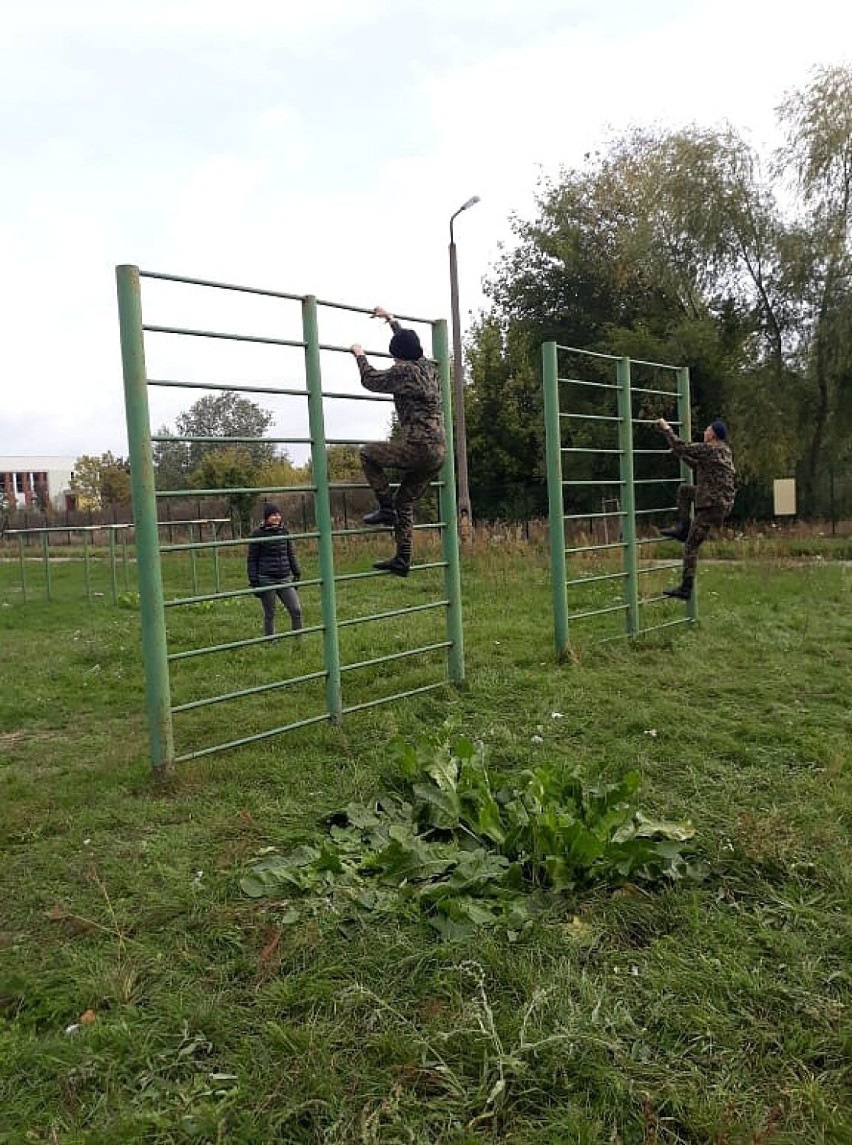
[59,471]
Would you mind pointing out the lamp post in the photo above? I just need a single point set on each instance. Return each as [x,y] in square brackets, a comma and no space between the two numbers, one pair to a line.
[464,509]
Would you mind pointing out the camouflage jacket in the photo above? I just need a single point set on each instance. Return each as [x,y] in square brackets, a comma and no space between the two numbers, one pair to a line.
[416,389]
[713,463]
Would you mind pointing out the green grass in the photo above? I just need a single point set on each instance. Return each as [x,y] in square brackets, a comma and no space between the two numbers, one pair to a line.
[716,1012]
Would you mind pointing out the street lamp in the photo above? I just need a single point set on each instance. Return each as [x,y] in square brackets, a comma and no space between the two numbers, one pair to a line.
[464,509]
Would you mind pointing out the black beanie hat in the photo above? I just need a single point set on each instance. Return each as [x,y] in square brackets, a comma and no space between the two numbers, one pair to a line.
[406,345]
[269,510]
[720,429]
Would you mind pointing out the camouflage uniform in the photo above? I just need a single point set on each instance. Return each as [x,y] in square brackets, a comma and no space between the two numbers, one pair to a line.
[712,494]
[420,452]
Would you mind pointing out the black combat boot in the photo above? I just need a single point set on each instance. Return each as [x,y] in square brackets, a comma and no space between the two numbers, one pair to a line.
[683,590]
[399,564]
[679,533]
[385,514]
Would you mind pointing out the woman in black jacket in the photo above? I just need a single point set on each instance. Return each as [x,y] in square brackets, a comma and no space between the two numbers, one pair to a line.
[273,569]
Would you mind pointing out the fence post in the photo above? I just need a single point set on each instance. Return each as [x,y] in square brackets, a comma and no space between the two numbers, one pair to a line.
[23,561]
[684,413]
[628,498]
[325,545]
[112,566]
[149,572]
[45,552]
[556,508]
[87,572]
[448,511]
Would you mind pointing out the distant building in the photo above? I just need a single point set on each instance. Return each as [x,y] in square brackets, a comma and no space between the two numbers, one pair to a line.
[38,482]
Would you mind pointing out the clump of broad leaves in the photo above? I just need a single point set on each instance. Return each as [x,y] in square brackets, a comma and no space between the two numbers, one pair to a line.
[468,852]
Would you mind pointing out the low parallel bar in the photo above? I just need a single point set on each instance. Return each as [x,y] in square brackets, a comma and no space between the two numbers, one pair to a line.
[603,576]
[593,385]
[645,390]
[256,691]
[324,718]
[247,643]
[395,696]
[593,516]
[597,548]
[442,645]
[395,612]
[599,611]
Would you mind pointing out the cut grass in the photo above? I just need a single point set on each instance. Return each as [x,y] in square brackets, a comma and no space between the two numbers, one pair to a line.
[693,1014]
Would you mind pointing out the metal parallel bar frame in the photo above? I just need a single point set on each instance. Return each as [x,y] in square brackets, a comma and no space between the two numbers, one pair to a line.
[154,606]
[627,483]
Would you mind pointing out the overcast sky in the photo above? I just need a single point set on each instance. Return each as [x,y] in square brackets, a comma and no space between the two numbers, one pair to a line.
[317,148]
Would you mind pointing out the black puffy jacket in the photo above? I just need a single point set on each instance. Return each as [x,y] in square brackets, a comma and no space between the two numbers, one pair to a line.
[271,560]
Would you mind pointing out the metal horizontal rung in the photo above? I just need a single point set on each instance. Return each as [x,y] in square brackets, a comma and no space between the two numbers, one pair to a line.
[594,385]
[603,576]
[591,416]
[588,353]
[368,310]
[221,285]
[324,718]
[193,546]
[396,656]
[392,613]
[659,568]
[657,481]
[598,611]
[645,390]
[597,548]
[223,336]
[218,492]
[358,397]
[651,421]
[599,481]
[247,643]
[256,691]
[584,449]
[593,516]
[228,441]
[396,696]
[227,387]
[379,572]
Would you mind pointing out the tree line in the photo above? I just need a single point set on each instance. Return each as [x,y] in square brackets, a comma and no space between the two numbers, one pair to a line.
[685,247]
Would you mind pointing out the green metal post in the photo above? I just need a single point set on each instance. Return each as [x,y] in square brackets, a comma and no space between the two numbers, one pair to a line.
[448,513]
[149,572]
[319,463]
[125,563]
[193,563]
[628,494]
[87,572]
[684,413]
[23,568]
[556,510]
[45,552]
[112,568]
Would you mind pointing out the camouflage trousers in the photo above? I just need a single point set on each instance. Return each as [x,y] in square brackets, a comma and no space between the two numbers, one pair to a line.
[705,520]
[418,465]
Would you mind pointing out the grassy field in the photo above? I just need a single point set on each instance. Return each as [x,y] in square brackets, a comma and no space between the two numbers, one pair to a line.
[144,997]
